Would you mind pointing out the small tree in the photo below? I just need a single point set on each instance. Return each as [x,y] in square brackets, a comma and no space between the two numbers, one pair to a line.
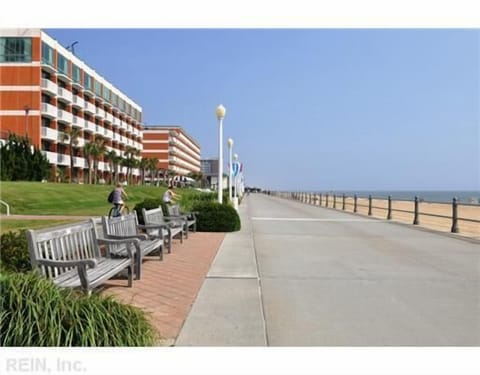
[21,161]
[71,137]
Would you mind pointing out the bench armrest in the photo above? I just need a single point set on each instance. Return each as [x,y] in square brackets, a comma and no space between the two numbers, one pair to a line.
[140,237]
[122,240]
[90,262]
[152,226]
[81,266]
[174,216]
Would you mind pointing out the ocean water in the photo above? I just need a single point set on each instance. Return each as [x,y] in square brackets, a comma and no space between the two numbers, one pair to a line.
[427,196]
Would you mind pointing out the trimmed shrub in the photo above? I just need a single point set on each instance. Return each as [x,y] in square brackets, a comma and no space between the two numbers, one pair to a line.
[148,204]
[215,217]
[35,312]
[14,255]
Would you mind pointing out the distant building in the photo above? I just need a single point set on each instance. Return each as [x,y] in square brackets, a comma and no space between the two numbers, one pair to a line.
[175,150]
[46,92]
[209,169]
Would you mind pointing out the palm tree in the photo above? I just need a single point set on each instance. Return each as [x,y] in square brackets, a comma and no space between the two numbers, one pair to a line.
[117,160]
[88,150]
[71,136]
[98,150]
[152,167]
[110,156]
[129,161]
[143,164]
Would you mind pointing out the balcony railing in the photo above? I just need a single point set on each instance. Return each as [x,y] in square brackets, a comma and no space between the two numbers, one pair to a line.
[65,94]
[115,121]
[78,122]
[63,159]
[107,133]
[89,107]
[108,117]
[50,134]
[89,126]
[79,162]
[78,101]
[57,159]
[99,112]
[49,110]
[65,116]
[49,86]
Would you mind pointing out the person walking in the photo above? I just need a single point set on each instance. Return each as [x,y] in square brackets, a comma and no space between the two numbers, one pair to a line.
[118,195]
[170,196]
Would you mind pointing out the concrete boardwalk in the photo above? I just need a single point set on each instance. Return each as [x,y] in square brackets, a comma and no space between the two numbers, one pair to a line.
[298,275]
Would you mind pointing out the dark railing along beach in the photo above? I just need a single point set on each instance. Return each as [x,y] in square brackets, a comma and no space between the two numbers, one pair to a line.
[355,202]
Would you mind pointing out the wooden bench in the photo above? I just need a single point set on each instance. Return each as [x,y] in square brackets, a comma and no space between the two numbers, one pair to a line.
[127,226]
[189,218]
[70,255]
[170,229]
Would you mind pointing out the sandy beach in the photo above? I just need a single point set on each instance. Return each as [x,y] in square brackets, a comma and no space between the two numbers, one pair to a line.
[379,210]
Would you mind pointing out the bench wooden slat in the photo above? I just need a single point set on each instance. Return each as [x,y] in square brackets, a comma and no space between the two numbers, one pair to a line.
[105,268]
[188,217]
[127,226]
[155,216]
[52,251]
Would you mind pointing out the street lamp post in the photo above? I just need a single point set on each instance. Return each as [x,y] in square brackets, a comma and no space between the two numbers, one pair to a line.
[235,195]
[230,175]
[220,115]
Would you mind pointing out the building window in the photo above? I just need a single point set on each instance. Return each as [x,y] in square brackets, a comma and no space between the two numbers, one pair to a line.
[46,98]
[62,64]
[98,88]
[76,74]
[47,54]
[87,81]
[106,94]
[15,49]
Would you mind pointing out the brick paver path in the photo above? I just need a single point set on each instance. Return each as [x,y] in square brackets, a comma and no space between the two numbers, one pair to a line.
[168,288]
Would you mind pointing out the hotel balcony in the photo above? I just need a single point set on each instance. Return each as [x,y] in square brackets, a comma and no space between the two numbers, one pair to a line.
[89,107]
[115,121]
[57,159]
[50,134]
[65,94]
[49,110]
[78,101]
[49,86]
[107,133]
[89,126]
[79,162]
[63,159]
[78,122]
[80,142]
[100,113]
[65,116]
[108,117]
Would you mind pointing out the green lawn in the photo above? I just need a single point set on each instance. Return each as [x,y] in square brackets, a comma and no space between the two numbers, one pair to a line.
[7,225]
[35,198]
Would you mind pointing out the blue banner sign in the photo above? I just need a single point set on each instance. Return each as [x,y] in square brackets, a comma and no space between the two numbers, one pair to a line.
[235,168]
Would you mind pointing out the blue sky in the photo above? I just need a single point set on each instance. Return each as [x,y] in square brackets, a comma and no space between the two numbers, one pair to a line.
[309,109]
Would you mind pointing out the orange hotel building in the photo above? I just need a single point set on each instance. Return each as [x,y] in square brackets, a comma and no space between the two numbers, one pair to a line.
[45,90]
[174,148]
